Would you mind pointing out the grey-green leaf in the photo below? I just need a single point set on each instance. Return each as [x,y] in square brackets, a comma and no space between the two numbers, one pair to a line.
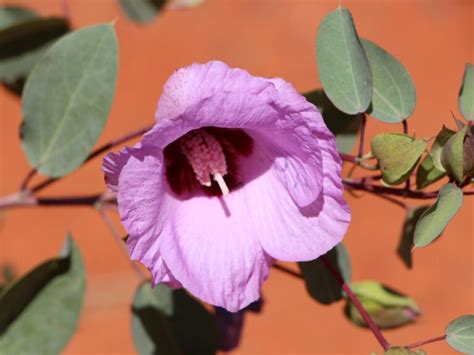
[460,334]
[427,173]
[171,322]
[436,149]
[406,240]
[452,155]
[397,155]
[67,99]
[435,219]
[394,92]
[11,15]
[343,66]
[24,43]
[43,306]
[466,95]
[345,127]
[141,11]
[320,283]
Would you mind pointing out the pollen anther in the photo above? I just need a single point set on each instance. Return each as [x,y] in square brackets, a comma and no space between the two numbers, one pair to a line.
[206,157]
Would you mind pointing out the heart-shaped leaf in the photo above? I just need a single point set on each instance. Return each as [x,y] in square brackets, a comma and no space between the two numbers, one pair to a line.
[435,219]
[394,92]
[427,173]
[11,15]
[343,66]
[452,155]
[67,99]
[437,147]
[397,155]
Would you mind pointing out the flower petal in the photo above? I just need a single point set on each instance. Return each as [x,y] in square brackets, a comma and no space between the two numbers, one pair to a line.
[214,255]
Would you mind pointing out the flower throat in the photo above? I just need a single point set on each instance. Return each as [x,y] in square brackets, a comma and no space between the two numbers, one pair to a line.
[206,159]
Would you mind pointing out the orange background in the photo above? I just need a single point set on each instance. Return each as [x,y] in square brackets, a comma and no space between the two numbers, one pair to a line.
[434,40]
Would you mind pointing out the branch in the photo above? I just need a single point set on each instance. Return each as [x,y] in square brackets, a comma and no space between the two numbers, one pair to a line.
[427,341]
[24,199]
[355,301]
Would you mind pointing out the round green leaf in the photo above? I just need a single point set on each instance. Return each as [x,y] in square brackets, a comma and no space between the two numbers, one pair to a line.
[397,155]
[343,66]
[319,281]
[452,155]
[435,219]
[466,95]
[141,11]
[460,334]
[67,99]
[40,311]
[394,92]
[11,15]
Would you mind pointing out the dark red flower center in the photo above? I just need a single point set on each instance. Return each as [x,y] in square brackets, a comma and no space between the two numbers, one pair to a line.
[206,159]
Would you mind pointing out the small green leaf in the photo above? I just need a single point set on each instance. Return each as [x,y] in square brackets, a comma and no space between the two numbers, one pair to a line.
[397,155]
[406,241]
[320,283]
[394,92]
[466,95]
[435,219]
[43,306]
[388,308]
[427,173]
[345,127]
[460,334]
[24,43]
[343,66]
[171,322]
[437,147]
[11,15]
[468,155]
[67,99]
[452,155]
[141,11]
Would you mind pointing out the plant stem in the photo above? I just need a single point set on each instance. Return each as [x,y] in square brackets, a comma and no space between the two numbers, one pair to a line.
[355,301]
[427,341]
[286,270]
[360,184]
[113,143]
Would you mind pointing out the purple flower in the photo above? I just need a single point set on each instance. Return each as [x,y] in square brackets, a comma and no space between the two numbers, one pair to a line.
[238,171]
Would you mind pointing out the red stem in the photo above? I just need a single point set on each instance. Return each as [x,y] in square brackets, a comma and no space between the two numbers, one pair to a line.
[355,301]
[427,341]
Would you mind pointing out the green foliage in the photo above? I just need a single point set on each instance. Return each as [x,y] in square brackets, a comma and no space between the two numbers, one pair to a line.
[320,283]
[437,147]
[67,99]
[171,322]
[343,66]
[11,15]
[452,155]
[24,42]
[435,219]
[141,11]
[460,334]
[388,308]
[406,241]
[345,127]
[466,94]
[427,173]
[40,311]
[397,155]
[394,92]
